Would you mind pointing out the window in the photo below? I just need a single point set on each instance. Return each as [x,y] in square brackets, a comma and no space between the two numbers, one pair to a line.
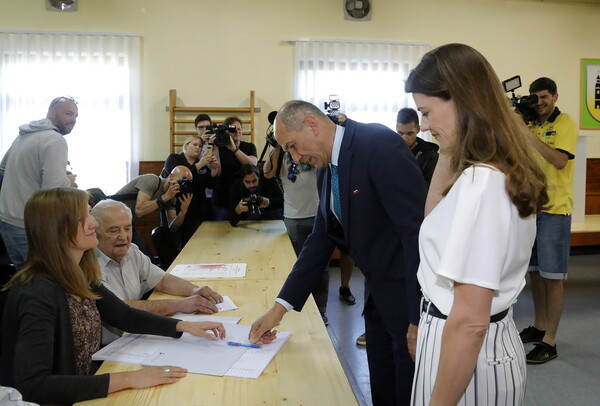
[367,77]
[101,72]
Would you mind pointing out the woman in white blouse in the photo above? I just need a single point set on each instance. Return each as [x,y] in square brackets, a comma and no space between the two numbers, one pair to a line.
[477,236]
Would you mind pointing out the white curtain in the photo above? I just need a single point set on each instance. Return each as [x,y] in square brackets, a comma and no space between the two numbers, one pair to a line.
[102,73]
[368,77]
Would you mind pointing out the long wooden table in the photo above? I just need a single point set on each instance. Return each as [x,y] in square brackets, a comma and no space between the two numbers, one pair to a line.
[306,371]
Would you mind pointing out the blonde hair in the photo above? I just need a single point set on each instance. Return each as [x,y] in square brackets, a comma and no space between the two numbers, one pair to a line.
[487,128]
[52,221]
[190,139]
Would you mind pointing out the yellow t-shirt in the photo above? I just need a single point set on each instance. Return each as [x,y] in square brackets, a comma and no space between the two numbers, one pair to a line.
[558,132]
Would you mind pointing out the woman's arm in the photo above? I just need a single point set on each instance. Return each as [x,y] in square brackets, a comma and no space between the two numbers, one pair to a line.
[43,369]
[463,335]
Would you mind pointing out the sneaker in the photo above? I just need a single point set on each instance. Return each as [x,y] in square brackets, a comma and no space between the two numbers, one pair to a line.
[362,339]
[541,353]
[325,319]
[346,295]
[532,335]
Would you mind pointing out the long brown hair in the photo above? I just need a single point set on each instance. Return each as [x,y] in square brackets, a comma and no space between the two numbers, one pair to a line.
[52,220]
[487,129]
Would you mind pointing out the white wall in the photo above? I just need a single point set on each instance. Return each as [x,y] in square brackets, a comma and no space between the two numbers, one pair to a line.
[214,51]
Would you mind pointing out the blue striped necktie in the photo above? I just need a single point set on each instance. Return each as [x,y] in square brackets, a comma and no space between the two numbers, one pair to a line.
[335,190]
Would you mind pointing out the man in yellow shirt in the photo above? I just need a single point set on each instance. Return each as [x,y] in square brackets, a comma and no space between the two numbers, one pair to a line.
[554,136]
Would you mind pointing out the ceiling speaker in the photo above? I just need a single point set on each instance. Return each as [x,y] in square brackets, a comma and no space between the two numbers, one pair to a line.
[62,5]
[357,10]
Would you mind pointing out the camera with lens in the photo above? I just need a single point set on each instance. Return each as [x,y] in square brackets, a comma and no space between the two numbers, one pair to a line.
[332,109]
[270,137]
[222,133]
[525,105]
[253,201]
[186,186]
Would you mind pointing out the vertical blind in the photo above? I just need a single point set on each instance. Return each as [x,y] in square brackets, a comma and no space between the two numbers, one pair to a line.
[368,77]
[101,72]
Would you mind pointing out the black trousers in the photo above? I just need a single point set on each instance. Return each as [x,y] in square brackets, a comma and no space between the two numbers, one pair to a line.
[391,368]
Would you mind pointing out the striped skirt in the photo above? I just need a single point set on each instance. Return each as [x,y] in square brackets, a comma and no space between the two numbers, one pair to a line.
[500,374]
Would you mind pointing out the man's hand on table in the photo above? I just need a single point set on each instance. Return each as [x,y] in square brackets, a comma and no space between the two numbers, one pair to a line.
[208,294]
[260,332]
[197,303]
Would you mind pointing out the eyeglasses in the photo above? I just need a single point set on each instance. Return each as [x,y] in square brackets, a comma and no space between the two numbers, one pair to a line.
[61,99]
[293,173]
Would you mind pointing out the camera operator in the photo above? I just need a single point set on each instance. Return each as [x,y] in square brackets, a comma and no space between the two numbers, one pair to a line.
[231,158]
[554,136]
[254,197]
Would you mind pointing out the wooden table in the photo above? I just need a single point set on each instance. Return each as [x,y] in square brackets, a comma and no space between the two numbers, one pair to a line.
[305,372]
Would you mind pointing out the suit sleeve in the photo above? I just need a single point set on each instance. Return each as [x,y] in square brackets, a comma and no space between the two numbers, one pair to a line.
[313,258]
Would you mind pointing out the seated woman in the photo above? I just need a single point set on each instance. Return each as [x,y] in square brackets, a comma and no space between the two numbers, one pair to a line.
[55,306]
[203,168]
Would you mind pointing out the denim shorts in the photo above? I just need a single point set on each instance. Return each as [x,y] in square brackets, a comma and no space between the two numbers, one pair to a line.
[550,254]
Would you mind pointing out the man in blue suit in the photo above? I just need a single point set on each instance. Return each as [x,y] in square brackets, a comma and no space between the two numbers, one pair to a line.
[372,197]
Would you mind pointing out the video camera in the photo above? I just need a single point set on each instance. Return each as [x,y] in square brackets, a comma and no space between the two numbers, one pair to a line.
[525,105]
[222,133]
[332,109]
[253,201]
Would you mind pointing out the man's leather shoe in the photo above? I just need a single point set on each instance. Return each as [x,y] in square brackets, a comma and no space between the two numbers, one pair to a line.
[346,295]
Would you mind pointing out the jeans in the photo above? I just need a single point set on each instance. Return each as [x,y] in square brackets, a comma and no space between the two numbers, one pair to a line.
[16,243]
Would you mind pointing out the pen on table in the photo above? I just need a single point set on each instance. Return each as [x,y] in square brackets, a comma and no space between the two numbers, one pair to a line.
[234,344]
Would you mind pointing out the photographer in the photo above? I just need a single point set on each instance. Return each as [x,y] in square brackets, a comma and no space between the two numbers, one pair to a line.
[254,197]
[148,193]
[554,136]
[231,158]
[202,166]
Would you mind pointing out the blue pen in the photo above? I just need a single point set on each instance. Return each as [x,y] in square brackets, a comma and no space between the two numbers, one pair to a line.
[234,344]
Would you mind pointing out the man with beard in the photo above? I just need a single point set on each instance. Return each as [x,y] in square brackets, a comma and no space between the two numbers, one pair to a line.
[254,197]
[37,159]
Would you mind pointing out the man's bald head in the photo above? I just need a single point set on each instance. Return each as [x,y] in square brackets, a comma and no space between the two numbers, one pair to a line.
[63,113]
[305,132]
[180,172]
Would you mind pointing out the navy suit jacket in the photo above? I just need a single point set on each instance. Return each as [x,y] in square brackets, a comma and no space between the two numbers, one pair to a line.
[382,195]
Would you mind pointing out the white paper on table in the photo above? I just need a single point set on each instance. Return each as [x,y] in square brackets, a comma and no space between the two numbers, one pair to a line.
[255,360]
[199,271]
[196,354]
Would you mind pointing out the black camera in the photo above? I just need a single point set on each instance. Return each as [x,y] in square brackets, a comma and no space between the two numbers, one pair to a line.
[222,133]
[332,109]
[270,137]
[253,201]
[186,186]
[525,105]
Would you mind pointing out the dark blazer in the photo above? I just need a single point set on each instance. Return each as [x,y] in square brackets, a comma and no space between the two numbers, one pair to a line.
[38,353]
[382,195]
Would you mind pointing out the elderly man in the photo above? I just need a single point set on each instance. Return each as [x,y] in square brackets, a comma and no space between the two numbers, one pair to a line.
[37,159]
[372,197]
[129,274]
